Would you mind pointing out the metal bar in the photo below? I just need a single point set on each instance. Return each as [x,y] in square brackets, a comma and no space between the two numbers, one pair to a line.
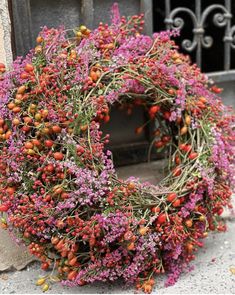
[198,9]
[167,21]
[198,36]
[146,7]
[227,39]
[87,11]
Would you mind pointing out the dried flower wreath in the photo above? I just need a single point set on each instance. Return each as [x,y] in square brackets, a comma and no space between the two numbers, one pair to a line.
[59,192]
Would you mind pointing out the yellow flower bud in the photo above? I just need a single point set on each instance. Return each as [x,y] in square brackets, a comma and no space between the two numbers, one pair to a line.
[45,287]
[40,281]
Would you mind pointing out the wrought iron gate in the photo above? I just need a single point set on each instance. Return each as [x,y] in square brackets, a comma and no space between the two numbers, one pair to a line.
[207,34]
[199,18]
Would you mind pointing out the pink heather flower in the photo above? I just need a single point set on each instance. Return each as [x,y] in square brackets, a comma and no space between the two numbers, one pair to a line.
[115,14]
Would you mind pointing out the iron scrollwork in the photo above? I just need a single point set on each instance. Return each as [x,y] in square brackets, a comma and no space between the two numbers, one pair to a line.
[221,19]
[232,37]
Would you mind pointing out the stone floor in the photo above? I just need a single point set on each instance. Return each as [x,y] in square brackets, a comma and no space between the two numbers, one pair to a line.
[214,265]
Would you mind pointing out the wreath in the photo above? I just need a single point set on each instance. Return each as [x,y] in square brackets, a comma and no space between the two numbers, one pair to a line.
[59,192]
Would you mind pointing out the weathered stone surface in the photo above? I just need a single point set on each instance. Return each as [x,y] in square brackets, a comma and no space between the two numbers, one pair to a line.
[5,34]
[150,172]
[11,254]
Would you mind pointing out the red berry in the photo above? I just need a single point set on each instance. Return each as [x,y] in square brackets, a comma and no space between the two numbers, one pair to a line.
[166,138]
[193,156]
[220,211]
[171,197]
[167,115]
[216,90]
[176,203]
[159,144]
[182,146]
[58,156]
[3,208]
[155,209]
[45,266]
[48,143]
[161,218]
[177,171]
[154,109]
[177,160]
[187,148]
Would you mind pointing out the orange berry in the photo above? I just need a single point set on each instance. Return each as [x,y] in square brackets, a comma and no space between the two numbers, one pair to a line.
[39,39]
[93,76]
[38,49]
[56,129]
[8,134]
[203,99]
[187,120]
[189,222]
[189,247]
[143,230]
[29,68]
[15,121]
[11,105]
[21,89]
[131,246]
[183,130]
[16,110]
[83,127]
[28,145]
[72,275]
[131,185]
[147,288]
[58,156]
[139,130]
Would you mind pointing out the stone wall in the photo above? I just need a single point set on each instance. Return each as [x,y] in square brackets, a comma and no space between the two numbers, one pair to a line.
[5,34]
